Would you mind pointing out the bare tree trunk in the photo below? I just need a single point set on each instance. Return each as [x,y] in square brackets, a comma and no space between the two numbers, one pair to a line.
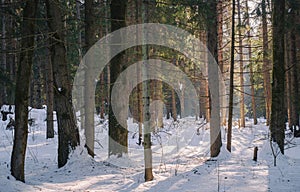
[146,94]
[253,104]
[89,95]
[202,98]
[212,44]
[22,91]
[266,64]
[221,58]
[294,87]
[78,16]
[241,61]
[3,90]
[230,111]
[68,134]
[220,34]
[207,92]
[291,73]
[140,104]
[158,98]
[174,110]
[118,135]
[277,123]
[49,98]
[288,95]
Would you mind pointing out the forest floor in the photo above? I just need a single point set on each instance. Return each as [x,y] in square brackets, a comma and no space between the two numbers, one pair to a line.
[180,161]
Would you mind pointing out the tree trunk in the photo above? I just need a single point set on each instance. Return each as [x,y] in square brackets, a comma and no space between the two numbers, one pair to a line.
[89,95]
[277,123]
[230,111]
[241,61]
[266,64]
[212,44]
[68,134]
[174,110]
[146,95]
[291,73]
[220,58]
[78,16]
[253,104]
[3,91]
[118,135]
[22,91]
[158,98]
[49,98]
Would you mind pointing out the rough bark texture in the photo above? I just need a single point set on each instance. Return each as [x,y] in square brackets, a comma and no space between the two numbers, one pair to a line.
[241,61]
[253,103]
[157,97]
[146,95]
[292,79]
[231,80]
[174,110]
[277,123]
[266,64]
[49,99]
[89,95]
[3,91]
[68,134]
[22,91]
[212,44]
[221,58]
[118,135]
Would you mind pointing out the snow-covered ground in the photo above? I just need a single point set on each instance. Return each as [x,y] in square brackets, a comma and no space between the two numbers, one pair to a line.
[180,156]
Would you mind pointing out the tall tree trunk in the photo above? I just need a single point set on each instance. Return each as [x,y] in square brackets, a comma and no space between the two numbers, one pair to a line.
[158,98]
[212,44]
[3,91]
[253,104]
[118,135]
[266,63]
[230,111]
[138,18]
[80,55]
[241,61]
[204,90]
[89,95]
[146,94]
[202,99]
[220,57]
[49,97]
[277,123]
[174,110]
[291,72]
[22,91]
[68,134]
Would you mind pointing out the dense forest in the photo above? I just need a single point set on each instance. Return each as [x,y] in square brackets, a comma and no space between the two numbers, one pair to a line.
[144,69]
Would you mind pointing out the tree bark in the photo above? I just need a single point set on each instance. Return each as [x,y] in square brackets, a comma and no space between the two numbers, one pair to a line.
[241,61]
[230,111]
[174,110]
[291,73]
[146,94]
[253,103]
[212,44]
[89,95]
[277,123]
[3,91]
[118,135]
[266,64]
[68,134]
[22,91]
[49,98]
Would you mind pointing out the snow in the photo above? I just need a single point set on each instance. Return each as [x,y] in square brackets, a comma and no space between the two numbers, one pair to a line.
[180,156]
